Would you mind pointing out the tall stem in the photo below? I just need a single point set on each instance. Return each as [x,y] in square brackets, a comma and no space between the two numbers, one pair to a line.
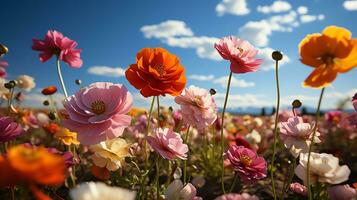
[233,183]
[60,78]
[157,178]
[158,110]
[185,161]
[9,103]
[222,124]
[275,127]
[288,179]
[312,144]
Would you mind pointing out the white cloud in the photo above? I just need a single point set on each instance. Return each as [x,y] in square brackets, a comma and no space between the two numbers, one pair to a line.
[201,77]
[234,7]
[222,81]
[166,29]
[106,71]
[269,63]
[302,10]
[311,18]
[203,45]
[256,32]
[242,100]
[35,99]
[277,7]
[350,5]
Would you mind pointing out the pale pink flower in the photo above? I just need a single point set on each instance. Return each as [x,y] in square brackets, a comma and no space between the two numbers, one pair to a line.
[342,192]
[98,112]
[296,135]
[247,163]
[168,144]
[240,53]
[3,65]
[234,196]
[198,107]
[177,191]
[62,47]
[298,188]
[324,168]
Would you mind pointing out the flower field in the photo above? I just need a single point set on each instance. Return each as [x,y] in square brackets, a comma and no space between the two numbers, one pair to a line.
[97,145]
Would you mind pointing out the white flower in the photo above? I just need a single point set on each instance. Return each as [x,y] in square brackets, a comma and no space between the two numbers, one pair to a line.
[111,153]
[176,191]
[258,121]
[99,190]
[254,137]
[25,82]
[324,168]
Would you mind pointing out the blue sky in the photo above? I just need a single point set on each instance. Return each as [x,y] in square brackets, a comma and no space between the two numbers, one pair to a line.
[112,32]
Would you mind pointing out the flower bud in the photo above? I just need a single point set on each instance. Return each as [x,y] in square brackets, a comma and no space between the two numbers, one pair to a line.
[212,91]
[46,103]
[3,49]
[78,81]
[296,103]
[49,90]
[52,115]
[277,55]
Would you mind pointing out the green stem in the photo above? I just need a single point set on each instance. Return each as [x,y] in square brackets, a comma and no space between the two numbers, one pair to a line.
[157,178]
[158,110]
[275,128]
[10,101]
[312,144]
[185,161]
[60,77]
[290,178]
[145,147]
[234,183]
[222,124]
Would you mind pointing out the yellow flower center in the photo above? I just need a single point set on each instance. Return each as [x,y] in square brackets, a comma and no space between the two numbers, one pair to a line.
[98,107]
[246,160]
[240,49]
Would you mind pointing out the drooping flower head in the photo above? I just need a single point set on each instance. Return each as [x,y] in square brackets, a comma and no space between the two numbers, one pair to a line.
[324,168]
[62,47]
[156,72]
[9,129]
[240,53]
[296,135]
[198,107]
[331,52]
[177,191]
[247,163]
[99,190]
[110,154]
[168,144]
[234,196]
[98,112]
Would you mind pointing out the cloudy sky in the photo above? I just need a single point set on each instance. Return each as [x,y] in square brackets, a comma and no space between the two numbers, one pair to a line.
[112,32]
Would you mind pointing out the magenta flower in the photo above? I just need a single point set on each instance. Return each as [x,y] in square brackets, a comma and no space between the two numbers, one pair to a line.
[98,112]
[298,188]
[247,163]
[9,129]
[296,135]
[198,107]
[62,47]
[354,101]
[240,53]
[234,196]
[168,144]
[333,116]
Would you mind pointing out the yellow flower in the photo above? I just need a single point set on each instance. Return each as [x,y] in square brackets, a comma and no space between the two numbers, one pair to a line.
[67,137]
[331,52]
[110,154]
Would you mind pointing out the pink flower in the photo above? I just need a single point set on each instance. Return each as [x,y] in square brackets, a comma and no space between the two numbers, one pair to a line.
[168,144]
[3,65]
[333,116]
[298,188]
[62,47]
[342,192]
[234,196]
[296,135]
[198,107]
[247,163]
[240,53]
[98,112]
[9,129]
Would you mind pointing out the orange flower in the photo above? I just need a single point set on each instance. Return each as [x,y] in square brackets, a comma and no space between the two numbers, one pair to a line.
[32,166]
[331,52]
[156,72]
[52,128]
[49,90]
